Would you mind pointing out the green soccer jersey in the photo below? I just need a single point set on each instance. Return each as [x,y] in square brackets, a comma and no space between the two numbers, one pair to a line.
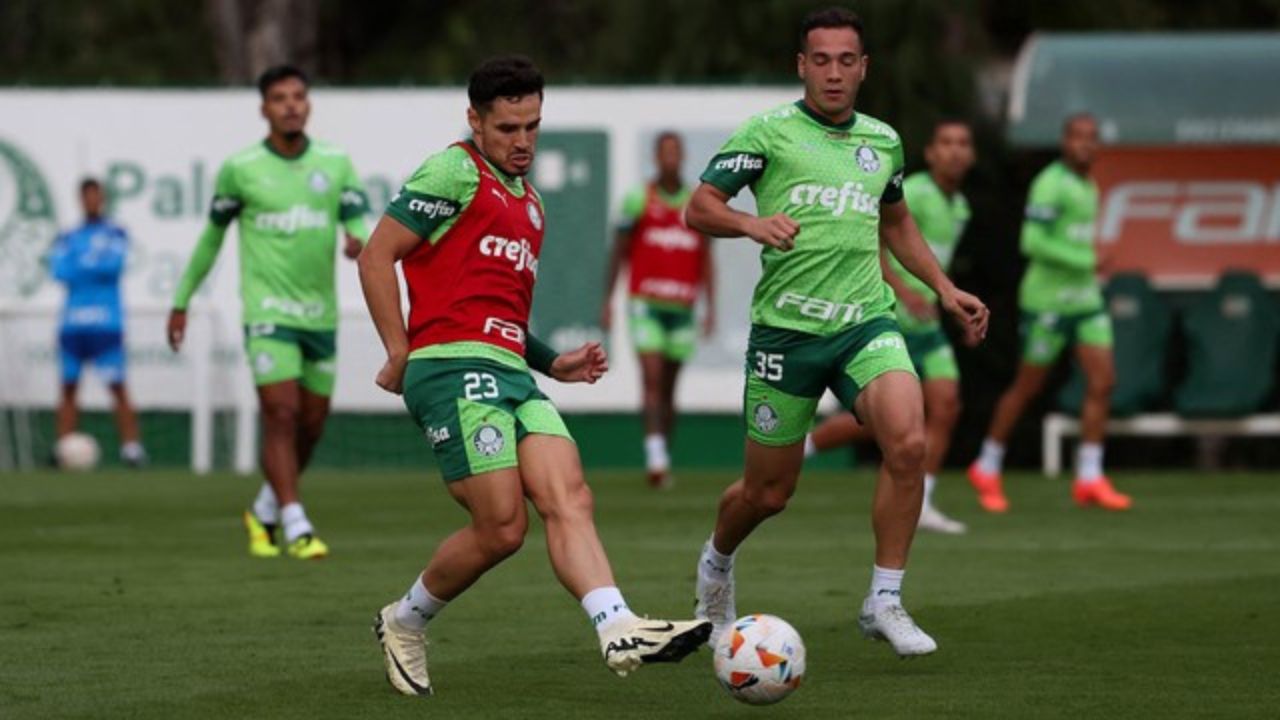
[434,197]
[288,212]
[831,179]
[1057,238]
[941,220]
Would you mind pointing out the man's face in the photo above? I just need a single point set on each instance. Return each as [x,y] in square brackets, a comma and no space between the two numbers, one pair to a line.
[1080,141]
[507,132]
[286,107]
[669,156]
[950,151]
[92,200]
[832,67]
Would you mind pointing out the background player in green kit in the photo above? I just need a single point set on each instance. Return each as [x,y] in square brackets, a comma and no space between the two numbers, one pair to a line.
[941,212]
[827,182]
[289,195]
[1061,305]
[669,266]
[467,229]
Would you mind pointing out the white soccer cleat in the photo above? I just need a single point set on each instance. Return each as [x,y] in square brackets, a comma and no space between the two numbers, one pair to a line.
[636,641]
[890,622]
[933,520]
[404,652]
[714,602]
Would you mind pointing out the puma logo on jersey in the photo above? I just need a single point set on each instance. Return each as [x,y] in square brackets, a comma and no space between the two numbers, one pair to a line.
[298,217]
[518,252]
[851,197]
[671,238]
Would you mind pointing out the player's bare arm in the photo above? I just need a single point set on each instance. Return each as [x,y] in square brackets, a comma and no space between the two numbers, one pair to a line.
[709,213]
[389,243]
[915,303]
[899,233]
[621,249]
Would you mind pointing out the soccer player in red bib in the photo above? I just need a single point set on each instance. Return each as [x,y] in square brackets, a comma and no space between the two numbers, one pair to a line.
[669,267]
[467,229]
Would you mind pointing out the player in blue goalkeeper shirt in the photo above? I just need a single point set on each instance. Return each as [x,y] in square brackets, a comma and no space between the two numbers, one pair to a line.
[89,260]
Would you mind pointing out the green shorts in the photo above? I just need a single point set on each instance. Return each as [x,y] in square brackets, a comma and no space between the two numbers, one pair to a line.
[787,372]
[1045,335]
[931,355]
[663,328]
[277,353]
[475,411]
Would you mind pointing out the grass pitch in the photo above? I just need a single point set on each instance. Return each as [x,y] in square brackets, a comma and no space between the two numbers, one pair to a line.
[131,595]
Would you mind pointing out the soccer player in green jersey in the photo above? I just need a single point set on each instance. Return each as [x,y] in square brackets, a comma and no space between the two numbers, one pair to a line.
[1061,305]
[289,194]
[467,229]
[828,187]
[941,212]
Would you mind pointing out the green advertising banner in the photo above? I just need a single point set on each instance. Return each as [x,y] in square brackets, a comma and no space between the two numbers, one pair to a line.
[572,173]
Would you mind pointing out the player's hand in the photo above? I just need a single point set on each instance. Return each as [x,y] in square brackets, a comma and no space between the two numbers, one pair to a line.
[776,231]
[177,330]
[352,247]
[586,364]
[970,312]
[606,316]
[391,376]
[916,305]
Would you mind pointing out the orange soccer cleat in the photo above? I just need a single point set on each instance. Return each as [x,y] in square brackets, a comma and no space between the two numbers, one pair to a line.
[1101,493]
[990,489]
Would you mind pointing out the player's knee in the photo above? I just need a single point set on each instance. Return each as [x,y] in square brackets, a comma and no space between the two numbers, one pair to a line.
[502,540]
[767,499]
[905,455]
[280,413]
[1100,383]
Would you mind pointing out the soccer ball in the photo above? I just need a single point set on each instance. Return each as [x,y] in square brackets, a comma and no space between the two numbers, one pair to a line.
[760,660]
[77,451]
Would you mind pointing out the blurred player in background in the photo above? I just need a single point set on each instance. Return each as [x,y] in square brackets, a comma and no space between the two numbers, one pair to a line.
[669,266]
[1061,306]
[290,195]
[90,260]
[468,228]
[941,212]
[828,185]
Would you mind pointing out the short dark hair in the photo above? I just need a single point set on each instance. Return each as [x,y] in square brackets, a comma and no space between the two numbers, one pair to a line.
[504,76]
[1076,117]
[273,75]
[89,182]
[666,135]
[946,120]
[832,17]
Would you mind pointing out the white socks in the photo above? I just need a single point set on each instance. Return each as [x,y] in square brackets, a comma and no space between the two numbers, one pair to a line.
[418,606]
[605,607]
[656,459]
[295,521]
[265,507]
[810,449]
[1089,462]
[714,564]
[992,458]
[886,586]
[929,483]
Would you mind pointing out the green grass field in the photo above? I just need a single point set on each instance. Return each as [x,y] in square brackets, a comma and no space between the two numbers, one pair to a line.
[130,595]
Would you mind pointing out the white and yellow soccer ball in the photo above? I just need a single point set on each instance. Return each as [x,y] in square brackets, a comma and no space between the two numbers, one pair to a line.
[760,660]
[77,451]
